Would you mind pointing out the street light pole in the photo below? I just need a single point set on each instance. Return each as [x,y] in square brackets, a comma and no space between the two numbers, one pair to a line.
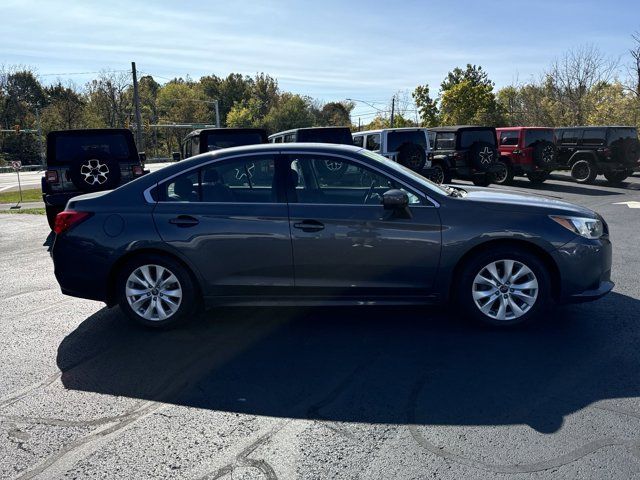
[393,108]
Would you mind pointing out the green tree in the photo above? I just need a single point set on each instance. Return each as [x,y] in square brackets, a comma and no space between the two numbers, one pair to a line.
[469,103]
[336,114]
[474,74]
[291,111]
[427,107]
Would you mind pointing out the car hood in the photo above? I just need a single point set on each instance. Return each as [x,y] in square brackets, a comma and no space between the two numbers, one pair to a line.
[515,201]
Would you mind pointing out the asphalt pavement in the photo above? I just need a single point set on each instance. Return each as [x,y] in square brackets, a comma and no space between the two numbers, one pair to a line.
[283,393]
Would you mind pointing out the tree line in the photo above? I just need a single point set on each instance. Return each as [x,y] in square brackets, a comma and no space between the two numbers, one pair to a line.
[581,87]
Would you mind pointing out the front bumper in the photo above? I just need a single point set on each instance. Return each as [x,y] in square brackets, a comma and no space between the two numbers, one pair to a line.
[585,269]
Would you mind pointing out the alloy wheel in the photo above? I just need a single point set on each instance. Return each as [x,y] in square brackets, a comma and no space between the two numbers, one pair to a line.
[505,289]
[500,175]
[438,175]
[153,292]
[94,172]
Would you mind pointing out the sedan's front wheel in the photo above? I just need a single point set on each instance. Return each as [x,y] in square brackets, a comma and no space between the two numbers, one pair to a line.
[504,287]
[155,291]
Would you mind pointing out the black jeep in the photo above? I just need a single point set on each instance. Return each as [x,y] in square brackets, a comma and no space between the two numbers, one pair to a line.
[85,161]
[590,151]
[468,152]
[208,139]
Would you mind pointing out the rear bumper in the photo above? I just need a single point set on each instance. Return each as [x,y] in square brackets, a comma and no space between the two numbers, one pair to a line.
[58,199]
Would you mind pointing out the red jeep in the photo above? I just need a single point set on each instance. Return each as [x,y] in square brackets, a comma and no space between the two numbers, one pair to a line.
[529,151]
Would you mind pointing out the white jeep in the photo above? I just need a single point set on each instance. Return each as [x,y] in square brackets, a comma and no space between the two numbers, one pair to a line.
[407,146]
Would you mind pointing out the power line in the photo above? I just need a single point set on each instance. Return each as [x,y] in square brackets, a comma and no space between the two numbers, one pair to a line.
[79,73]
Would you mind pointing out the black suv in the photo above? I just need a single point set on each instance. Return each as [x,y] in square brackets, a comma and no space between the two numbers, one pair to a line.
[208,139]
[466,152]
[589,151]
[85,161]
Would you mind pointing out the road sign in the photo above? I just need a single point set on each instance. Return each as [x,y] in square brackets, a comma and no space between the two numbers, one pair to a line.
[16,165]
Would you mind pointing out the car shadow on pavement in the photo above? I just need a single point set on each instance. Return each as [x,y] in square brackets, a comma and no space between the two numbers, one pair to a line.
[374,365]
[567,188]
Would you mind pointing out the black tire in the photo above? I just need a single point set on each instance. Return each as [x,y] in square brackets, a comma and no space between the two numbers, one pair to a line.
[52,212]
[584,171]
[94,172]
[331,169]
[464,296]
[412,156]
[440,174]
[616,177]
[537,178]
[504,176]
[545,154]
[482,180]
[483,156]
[187,307]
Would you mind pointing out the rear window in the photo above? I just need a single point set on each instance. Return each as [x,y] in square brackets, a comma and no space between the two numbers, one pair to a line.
[396,139]
[232,139]
[534,136]
[570,137]
[622,133]
[70,146]
[469,137]
[594,137]
[340,136]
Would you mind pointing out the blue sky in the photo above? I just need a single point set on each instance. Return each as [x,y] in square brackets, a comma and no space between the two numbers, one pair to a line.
[328,50]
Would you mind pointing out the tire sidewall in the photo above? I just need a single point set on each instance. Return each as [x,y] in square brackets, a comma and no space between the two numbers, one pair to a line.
[409,149]
[508,176]
[464,298]
[583,163]
[190,301]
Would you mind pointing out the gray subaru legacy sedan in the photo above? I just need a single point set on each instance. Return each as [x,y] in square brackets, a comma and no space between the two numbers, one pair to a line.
[267,225]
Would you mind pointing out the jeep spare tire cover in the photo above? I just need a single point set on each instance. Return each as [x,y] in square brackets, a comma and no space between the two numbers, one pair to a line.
[412,156]
[483,155]
[331,169]
[545,154]
[94,171]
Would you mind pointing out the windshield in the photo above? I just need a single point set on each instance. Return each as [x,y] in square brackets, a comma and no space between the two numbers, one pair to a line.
[70,146]
[534,136]
[341,136]
[622,133]
[232,139]
[469,137]
[396,139]
[434,187]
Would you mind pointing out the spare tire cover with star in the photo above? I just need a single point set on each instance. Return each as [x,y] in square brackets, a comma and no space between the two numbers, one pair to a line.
[94,171]
[482,155]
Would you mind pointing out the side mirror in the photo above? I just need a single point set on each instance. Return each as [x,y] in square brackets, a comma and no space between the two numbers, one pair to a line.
[143,157]
[175,156]
[395,199]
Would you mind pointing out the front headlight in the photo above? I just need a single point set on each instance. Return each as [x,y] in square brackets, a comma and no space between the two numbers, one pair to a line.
[585,227]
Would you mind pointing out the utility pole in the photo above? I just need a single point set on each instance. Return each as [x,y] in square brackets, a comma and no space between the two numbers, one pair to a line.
[136,104]
[393,108]
[217,113]
[358,123]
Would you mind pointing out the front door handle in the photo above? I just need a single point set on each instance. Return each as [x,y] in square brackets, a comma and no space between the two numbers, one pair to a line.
[309,226]
[184,221]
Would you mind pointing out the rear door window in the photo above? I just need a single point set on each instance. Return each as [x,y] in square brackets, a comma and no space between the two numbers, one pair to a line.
[469,137]
[373,142]
[509,137]
[570,137]
[594,137]
[445,141]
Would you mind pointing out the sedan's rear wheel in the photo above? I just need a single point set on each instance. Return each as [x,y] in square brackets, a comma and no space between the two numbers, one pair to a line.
[156,292]
[505,287]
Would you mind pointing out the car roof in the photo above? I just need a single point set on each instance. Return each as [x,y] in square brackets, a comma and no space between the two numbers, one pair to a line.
[599,127]
[91,131]
[524,128]
[455,128]
[399,129]
[293,130]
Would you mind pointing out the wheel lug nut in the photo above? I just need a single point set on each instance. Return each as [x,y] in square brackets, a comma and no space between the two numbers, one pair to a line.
[511,289]
[505,296]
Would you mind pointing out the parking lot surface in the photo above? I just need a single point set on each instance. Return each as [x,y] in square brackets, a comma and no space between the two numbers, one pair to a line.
[369,393]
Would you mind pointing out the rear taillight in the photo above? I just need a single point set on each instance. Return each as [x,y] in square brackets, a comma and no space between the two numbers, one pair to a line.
[137,170]
[68,219]
[51,176]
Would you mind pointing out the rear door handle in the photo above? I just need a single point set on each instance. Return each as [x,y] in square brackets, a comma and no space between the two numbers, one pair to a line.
[184,221]
[309,226]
